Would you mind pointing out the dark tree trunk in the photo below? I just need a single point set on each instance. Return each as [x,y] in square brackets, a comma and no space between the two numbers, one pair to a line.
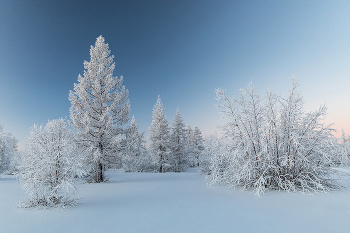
[100,177]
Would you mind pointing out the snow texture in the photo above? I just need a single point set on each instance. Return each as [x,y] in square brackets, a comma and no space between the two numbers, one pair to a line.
[176,202]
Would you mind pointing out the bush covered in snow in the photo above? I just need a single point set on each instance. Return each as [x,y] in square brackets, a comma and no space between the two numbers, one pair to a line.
[273,145]
[48,168]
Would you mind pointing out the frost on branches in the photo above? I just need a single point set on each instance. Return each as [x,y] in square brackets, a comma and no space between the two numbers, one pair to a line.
[8,152]
[343,158]
[179,158]
[194,145]
[274,145]
[135,157]
[49,166]
[213,145]
[159,138]
[100,108]
[197,145]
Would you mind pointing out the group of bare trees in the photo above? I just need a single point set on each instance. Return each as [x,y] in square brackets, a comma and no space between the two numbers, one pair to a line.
[272,144]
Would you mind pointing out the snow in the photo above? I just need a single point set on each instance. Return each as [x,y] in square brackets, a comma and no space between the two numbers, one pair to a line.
[176,202]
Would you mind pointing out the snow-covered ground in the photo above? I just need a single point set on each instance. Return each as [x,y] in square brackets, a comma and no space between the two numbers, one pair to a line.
[176,202]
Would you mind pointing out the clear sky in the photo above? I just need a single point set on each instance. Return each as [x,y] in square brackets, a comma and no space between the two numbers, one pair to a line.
[180,50]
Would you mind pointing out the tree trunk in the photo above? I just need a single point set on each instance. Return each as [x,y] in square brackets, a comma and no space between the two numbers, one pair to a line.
[100,173]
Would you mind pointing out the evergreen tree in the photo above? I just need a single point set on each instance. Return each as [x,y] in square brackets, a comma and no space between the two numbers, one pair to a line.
[159,137]
[177,142]
[189,145]
[100,107]
[198,145]
[8,151]
[343,158]
[133,148]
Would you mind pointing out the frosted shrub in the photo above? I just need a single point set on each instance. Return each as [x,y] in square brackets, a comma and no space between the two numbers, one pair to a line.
[274,145]
[48,167]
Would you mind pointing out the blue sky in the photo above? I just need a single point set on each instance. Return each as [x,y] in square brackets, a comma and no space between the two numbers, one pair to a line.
[180,50]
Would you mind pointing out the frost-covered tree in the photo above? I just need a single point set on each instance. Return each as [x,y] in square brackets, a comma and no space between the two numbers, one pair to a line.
[198,145]
[274,145]
[134,155]
[8,151]
[194,145]
[100,108]
[179,157]
[343,155]
[213,146]
[190,145]
[48,168]
[159,138]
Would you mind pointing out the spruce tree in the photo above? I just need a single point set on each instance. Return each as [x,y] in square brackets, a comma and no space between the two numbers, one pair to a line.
[198,145]
[100,107]
[177,141]
[8,151]
[133,148]
[159,137]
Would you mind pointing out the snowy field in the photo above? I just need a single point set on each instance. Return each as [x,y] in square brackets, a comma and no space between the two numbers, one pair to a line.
[176,202]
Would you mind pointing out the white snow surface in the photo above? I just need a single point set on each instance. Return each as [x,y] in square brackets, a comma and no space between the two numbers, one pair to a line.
[176,202]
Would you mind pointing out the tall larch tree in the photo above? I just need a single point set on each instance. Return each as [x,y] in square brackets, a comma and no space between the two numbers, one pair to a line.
[159,137]
[100,108]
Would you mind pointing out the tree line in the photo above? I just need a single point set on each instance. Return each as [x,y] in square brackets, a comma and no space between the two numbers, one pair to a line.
[101,139]
[268,143]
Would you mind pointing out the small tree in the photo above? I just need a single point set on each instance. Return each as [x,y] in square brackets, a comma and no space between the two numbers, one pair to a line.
[48,168]
[274,145]
[213,146]
[189,136]
[159,137]
[194,145]
[178,144]
[343,158]
[198,145]
[134,155]
[100,108]
[8,151]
